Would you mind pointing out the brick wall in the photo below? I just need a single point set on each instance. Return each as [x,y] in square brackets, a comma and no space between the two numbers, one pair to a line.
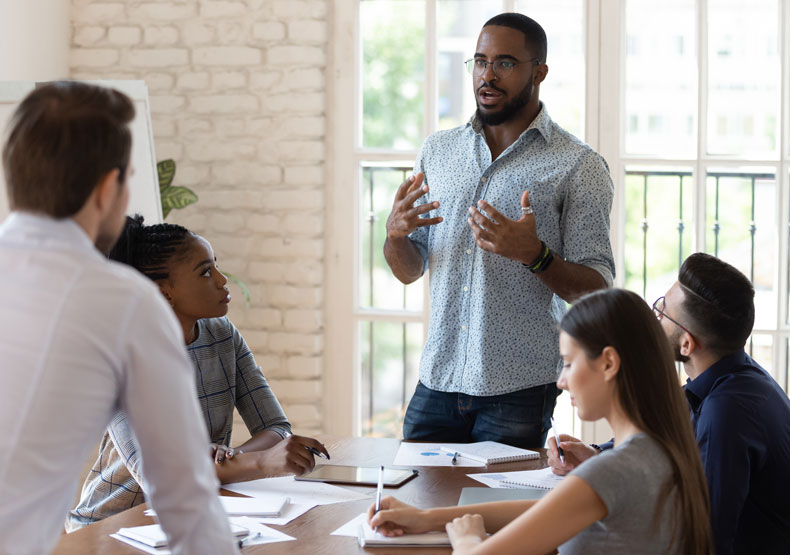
[238,99]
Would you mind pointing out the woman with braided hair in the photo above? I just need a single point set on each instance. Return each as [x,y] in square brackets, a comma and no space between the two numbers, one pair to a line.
[184,267]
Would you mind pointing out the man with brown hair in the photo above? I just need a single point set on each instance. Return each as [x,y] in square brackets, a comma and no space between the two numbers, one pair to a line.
[82,337]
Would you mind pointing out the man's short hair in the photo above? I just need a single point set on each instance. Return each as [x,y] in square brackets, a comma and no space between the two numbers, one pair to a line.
[533,33]
[718,302]
[62,139]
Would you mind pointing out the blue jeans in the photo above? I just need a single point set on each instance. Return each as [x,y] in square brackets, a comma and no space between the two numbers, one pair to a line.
[521,418]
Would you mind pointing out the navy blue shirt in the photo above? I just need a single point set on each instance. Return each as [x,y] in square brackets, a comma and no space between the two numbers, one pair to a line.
[741,418]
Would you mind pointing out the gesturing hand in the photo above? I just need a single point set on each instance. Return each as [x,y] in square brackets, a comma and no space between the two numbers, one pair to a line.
[405,217]
[513,239]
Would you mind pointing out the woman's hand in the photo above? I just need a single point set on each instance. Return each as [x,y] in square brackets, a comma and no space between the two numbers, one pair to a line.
[466,532]
[220,452]
[396,518]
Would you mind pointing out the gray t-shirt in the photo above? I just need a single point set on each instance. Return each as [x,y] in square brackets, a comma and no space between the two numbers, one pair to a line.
[629,479]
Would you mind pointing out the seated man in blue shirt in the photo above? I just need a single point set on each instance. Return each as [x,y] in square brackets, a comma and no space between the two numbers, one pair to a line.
[741,416]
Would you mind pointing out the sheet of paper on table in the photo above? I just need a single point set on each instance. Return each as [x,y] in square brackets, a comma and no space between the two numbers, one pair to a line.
[430,454]
[358,527]
[301,493]
[289,513]
[543,478]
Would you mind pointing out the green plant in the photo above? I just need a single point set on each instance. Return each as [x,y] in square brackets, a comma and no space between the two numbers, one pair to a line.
[178,197]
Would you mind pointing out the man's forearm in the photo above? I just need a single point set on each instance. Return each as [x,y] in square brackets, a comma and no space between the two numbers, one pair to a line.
[404,259]
[570,281]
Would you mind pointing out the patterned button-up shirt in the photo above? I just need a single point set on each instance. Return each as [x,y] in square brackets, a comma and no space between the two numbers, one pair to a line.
[493,324]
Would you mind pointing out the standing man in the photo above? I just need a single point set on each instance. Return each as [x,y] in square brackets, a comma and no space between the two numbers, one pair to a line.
[741,416]
[81,337]
[520,225]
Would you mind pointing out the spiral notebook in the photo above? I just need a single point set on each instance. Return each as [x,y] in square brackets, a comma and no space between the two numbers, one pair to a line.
[543,479]
[492,452]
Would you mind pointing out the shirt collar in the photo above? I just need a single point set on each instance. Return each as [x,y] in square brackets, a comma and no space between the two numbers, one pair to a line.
[701,386]
[38,230]
[542,123]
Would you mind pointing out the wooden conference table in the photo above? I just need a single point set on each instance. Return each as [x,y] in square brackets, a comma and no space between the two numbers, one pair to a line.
[435,486]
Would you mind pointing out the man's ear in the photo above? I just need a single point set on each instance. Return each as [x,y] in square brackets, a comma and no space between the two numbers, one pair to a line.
[541,71]
[610,361]
[688,344]
[107,189]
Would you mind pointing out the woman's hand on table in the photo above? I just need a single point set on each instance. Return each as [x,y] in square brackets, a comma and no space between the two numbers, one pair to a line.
[466,532]
[396,518]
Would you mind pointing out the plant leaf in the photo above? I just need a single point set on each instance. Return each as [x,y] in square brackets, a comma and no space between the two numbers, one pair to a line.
[243,286]
[166,170]
[176,198]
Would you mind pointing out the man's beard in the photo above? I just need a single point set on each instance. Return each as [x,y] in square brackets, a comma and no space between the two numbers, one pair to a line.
[674,340]
[509,110]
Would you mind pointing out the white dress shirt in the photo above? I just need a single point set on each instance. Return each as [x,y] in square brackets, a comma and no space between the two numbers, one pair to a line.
[80,338]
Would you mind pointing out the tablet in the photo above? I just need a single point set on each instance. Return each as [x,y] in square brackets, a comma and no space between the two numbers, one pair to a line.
[359,475]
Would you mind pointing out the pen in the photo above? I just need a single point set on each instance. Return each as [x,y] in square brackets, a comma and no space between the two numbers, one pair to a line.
[313,450]
[455,457]
[250,537]
[557,439]
[379,487]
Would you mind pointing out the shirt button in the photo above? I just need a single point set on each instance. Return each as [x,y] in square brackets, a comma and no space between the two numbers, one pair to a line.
[466,288]
[463,327]
[483,179]
[468,251]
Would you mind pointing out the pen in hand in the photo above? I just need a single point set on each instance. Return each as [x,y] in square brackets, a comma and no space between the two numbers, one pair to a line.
[313,450]
[557,439]
[379,487]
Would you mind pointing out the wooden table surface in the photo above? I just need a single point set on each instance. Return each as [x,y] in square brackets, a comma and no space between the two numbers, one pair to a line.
[435,486]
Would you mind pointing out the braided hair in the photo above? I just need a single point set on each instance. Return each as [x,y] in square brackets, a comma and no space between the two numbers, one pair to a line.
[150,248]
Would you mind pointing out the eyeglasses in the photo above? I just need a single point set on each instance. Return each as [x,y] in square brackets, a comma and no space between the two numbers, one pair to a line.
[502,68]
[658,310]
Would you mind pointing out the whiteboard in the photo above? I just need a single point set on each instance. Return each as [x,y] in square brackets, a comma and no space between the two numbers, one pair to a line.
[144,184]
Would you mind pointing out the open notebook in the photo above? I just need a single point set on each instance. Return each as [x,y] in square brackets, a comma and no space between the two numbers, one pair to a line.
[492,452]
[368,538]
[543,478]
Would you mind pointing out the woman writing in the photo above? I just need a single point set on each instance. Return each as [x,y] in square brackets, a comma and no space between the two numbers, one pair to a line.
[647,495]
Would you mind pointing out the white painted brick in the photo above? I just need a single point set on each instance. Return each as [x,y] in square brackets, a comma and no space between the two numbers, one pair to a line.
[158,81]
[224,104]
[262,127]
[124,36]
[166,104]
[222,9]
[88,36]
[304,223]
[270,365]
[304,367]
[169,149]
[304,272]
[296,55]
[193,80]
[303,320]
[307,126]
[162,11]
[208,151]
[227,246]
[158,57]
[228,199]
[304,175]
[163,126]
[229,80]
[194,126]
[233,32]
[296,390]
[267,271]
[231,127]
[257,340]
[227,55]
[301,79]
[298,199]
[263,80]
[307,31]
[245,173]
[197,33]
[269,318]
[94,57]
[296,343]
[289,296]
[311,102]
[288,246]
[268,30]
[301,151]
[298,8]
[190,174]
[303,415]
[97,12]
[164,35]
[264,223]
[225,223]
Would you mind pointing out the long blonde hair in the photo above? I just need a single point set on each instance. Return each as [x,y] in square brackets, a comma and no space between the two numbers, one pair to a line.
[650,395]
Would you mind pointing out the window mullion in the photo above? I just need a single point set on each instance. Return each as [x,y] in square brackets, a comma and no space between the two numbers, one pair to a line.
[431,120]
[702,127]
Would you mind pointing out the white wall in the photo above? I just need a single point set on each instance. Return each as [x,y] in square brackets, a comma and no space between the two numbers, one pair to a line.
[34,40]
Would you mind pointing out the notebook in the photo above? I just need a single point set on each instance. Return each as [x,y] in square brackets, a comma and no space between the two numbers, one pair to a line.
[543,478]
[153,535]
[492,452]
[473,496]
[271,505]
[368,538]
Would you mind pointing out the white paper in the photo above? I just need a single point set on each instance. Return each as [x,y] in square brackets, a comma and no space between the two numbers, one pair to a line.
[270,506]
[430,454]
[491,480]
[543,478]
[289,513]
[358,527]
[301,493]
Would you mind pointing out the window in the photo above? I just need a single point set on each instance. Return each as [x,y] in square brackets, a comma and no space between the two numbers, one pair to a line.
[684,99]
